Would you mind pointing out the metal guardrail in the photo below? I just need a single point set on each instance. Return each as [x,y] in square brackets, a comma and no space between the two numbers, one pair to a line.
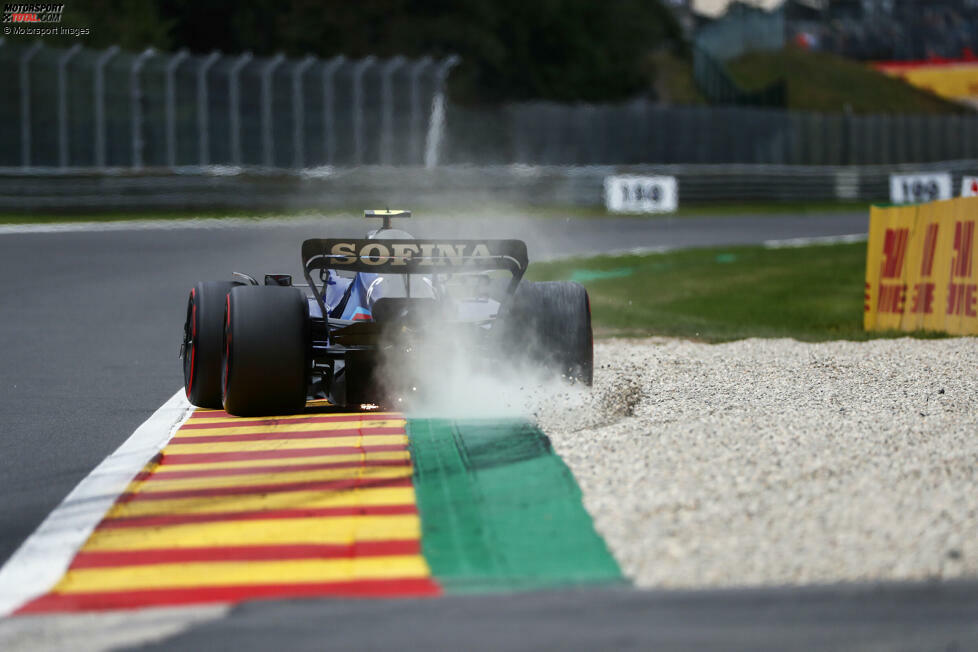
[644,132]
[457,187]
[104,109]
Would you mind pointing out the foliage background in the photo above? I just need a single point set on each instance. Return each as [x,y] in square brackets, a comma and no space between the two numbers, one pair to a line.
[562,50]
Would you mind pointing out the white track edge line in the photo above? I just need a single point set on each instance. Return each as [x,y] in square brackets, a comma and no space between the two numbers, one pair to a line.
[818,240]
[45,555]
[161,224]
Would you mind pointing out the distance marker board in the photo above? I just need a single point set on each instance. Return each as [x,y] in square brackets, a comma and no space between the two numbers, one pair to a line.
[636,194]
[920,188]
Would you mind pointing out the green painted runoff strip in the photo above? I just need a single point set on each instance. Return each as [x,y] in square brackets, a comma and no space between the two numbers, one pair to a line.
[500,510]
[587,275]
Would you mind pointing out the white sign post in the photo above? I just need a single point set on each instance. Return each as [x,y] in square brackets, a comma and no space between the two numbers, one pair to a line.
[633,194]
[919,188]
[969,187]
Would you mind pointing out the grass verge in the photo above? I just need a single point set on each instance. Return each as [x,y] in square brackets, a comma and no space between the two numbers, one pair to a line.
[819,81]
[808,293]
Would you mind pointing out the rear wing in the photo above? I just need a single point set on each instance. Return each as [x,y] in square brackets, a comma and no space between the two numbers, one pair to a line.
[409,256]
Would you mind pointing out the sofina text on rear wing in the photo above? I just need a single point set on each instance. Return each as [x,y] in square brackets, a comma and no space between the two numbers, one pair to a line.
[409,256]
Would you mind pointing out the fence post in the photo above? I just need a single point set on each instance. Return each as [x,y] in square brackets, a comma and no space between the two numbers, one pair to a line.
[171,108]
[267,140]
[387,108]
[99,93]
[415,74]
[298,111]
[584,129]
[329,143]
[203,133]
[436,122]
[63,104]
[887,140]
[234,106]
[358,72]
[967,137]
[902,148]
[953,144]
[25,103]
[137,109]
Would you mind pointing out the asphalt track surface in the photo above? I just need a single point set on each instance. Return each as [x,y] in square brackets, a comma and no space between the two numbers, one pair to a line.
[91,325]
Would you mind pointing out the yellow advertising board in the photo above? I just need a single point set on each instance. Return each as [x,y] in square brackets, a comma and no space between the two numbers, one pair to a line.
[953,80]
[956,82]
[920,267]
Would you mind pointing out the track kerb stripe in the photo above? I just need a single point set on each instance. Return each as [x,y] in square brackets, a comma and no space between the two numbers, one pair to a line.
[257,517]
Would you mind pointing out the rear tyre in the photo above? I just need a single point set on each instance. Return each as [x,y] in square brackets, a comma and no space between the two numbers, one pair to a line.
[203,338]
[550,323]
[265,351]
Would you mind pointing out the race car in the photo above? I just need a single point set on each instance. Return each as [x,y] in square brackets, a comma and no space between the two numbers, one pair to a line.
[266,349]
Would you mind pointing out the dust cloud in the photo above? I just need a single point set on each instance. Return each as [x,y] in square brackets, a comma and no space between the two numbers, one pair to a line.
[469,373]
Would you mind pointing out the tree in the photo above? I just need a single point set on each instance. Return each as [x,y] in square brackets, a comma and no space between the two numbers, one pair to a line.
[564,50]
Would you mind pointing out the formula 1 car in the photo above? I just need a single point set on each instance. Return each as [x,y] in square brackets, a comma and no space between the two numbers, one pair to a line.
[265,349]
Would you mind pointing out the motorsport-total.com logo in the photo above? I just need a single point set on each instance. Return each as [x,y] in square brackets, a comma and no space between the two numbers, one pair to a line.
[37,19]
[31,12]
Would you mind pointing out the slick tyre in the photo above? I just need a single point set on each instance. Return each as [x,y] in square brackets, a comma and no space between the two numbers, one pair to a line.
[265,351]
[550,323]
[203,337]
